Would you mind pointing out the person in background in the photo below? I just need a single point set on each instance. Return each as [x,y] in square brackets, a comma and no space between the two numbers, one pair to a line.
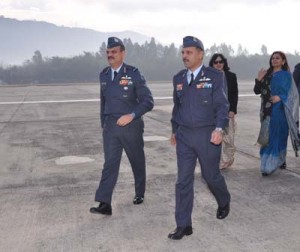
[279,113]
[219,62]
[199,116]
[125,98]
[296,75]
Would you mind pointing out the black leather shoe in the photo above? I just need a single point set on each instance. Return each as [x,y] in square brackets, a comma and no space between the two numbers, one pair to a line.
[264,174]
[222,212]
[138,200]
[103,208]
[283,166]
[179,232]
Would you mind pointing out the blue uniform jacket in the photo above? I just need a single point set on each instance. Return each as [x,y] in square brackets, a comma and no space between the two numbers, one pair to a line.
[203,103]
[127,94]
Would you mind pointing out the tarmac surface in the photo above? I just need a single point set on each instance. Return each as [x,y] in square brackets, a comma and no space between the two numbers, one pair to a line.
[51,159]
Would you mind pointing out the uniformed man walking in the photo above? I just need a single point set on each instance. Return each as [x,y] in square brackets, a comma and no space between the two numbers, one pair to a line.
[199,115]
[125,98]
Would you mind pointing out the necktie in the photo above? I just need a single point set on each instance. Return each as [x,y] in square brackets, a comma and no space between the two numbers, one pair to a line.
[192,79]
[115,74]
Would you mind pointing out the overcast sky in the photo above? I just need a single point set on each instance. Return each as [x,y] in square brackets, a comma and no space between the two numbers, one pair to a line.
[249,23]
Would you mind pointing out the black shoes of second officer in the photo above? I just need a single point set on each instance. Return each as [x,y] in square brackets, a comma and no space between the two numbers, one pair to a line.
[105,208]
[222,212]
[138,200]
[179,232]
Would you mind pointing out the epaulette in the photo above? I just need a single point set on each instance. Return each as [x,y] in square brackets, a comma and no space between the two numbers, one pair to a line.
[181,72]
[105,70]
[132,68]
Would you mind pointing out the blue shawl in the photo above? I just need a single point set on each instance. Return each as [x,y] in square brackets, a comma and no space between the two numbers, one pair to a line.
[291,109]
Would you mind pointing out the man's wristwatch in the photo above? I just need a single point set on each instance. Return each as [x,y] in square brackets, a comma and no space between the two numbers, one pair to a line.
[219,130]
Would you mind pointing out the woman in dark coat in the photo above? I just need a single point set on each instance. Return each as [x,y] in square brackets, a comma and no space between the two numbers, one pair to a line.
[219,62]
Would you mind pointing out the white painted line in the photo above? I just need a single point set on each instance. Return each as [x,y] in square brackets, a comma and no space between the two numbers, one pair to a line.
[155,138]
[248,95]
[61,101]
[90,100]
[163,98]
[292,173]
[73,160]
[171,97]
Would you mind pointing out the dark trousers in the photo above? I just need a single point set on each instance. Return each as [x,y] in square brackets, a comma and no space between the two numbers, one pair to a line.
[193,144]
[115,139]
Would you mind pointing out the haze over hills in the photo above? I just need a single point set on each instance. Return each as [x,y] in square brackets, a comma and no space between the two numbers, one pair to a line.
[19,40]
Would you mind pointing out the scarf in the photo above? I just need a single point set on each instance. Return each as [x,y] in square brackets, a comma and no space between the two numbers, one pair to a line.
[266,108]
[265,111]
[291,109]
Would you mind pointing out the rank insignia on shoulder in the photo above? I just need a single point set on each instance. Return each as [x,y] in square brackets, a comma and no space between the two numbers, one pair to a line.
[179,87]
[128,67]
[106,70]
[181,72]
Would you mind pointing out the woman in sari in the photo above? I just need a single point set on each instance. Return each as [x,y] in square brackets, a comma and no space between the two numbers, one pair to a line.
[279,113]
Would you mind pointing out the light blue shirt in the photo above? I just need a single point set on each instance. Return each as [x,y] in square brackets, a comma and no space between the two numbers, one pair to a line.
[195,73]
[112,71]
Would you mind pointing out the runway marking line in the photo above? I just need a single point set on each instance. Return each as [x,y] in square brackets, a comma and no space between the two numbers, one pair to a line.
[90,100]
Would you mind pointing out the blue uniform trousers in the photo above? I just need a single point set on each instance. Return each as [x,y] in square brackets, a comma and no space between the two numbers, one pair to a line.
[193,144]
[115,139]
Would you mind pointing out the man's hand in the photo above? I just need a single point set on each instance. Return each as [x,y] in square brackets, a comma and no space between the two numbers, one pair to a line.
[216,137]
[124,120]
[173,139]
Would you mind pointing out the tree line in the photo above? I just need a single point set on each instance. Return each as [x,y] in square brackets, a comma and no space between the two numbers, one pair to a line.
[156,61]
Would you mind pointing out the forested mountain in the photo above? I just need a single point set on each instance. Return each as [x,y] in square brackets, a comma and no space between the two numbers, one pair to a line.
[156,62]
[47,45]
[19,39]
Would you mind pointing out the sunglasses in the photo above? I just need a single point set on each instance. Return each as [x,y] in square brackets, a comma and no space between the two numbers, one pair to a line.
[218,62]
